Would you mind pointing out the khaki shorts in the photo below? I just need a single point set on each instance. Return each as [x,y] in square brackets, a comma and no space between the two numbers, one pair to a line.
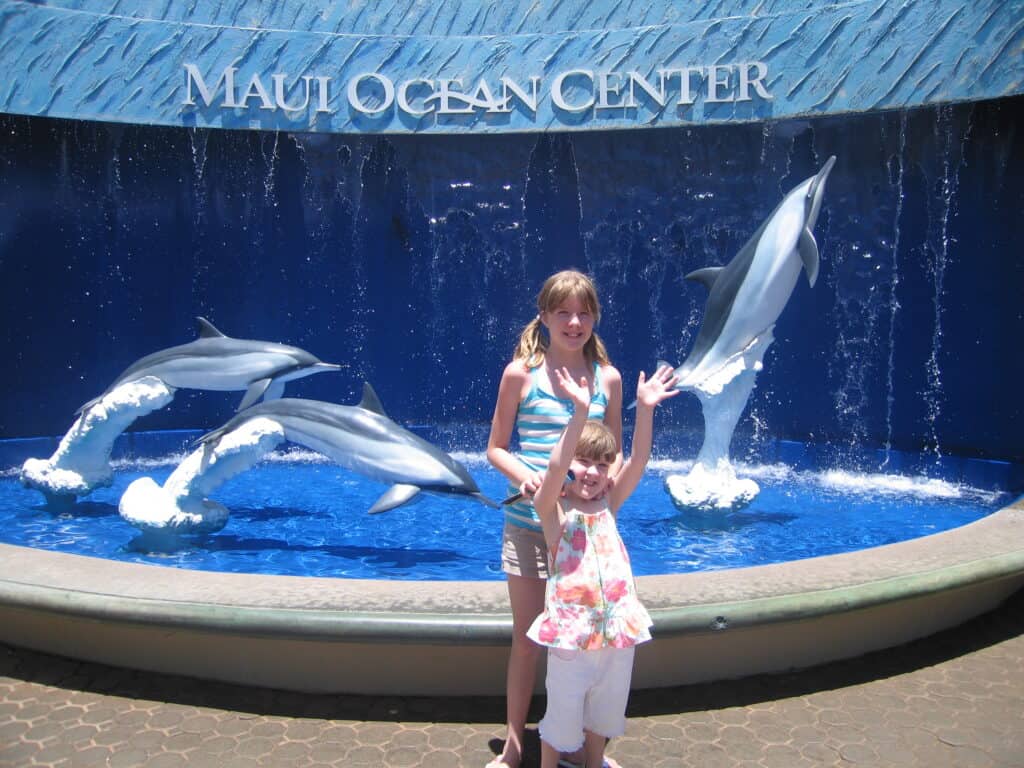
[523,552]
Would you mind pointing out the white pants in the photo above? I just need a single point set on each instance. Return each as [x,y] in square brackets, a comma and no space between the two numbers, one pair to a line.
[586,690]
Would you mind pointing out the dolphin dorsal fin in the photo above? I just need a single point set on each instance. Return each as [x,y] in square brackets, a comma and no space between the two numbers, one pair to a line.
[206,329]
[370,401]
[705,276]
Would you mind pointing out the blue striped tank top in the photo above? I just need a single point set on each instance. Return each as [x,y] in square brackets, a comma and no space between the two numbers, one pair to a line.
[539,423]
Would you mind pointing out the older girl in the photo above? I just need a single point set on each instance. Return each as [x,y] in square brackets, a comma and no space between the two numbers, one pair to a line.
[532,402]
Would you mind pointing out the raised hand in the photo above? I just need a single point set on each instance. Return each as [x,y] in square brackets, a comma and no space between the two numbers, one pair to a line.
[650,392]
[578,391]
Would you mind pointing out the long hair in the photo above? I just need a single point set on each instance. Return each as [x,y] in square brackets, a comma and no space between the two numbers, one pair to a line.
[556,289]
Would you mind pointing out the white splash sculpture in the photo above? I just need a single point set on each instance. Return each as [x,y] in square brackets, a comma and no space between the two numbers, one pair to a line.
[712,483]
[81,462]
[180,504]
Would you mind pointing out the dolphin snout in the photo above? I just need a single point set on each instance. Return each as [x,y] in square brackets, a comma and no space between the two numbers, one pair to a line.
[816,191]
[826,169]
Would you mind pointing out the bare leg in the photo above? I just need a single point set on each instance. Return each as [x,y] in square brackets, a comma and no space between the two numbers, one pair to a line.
[527,598]
[593,744]
[548,755]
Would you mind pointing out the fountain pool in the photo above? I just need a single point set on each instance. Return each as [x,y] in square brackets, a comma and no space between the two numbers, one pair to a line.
[298,514]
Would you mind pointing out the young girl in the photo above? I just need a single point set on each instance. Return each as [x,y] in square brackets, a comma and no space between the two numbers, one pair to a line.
[531,401]
[592,617]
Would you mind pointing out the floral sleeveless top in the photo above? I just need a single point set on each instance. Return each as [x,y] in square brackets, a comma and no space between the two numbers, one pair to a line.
[591,599]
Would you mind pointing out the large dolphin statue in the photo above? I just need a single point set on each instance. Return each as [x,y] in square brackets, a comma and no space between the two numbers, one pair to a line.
[363,439]
[746,296]
[218,362]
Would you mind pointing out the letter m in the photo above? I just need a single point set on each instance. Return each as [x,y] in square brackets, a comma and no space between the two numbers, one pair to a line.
[193,76]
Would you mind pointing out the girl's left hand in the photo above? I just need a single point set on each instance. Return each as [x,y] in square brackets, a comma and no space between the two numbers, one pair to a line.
[659,387]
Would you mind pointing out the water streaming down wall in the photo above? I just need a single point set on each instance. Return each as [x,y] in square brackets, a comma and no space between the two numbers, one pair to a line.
[415,260]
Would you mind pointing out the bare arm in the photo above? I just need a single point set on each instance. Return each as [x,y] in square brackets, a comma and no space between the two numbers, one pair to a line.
[546,499]
[511,390]
[648,394]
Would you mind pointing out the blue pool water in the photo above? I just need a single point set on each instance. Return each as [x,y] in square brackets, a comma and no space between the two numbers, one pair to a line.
[300,515]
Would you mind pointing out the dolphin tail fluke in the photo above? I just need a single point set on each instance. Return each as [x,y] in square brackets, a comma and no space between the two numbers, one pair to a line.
[210,437]
[808,249]
[255,392]
[395,496]
[486,500]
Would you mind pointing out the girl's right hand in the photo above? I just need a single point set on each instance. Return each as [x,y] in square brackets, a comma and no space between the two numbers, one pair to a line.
[578,391]
[531,485]
[661,386]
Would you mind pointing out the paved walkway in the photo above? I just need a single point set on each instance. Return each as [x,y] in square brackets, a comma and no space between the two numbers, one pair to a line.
[955,699]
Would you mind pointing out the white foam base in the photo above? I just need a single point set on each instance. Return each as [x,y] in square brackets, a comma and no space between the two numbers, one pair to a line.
[180,505]
[81,462]
[146,505]
[707,489]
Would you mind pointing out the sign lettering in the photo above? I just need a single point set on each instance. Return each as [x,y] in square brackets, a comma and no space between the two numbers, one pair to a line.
[574,92]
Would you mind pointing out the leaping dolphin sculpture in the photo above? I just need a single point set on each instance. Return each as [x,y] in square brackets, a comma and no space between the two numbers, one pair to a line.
[746,297]
[363,439]
[218,362]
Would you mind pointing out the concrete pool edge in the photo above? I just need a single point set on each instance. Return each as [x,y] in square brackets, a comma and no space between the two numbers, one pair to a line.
[279,631]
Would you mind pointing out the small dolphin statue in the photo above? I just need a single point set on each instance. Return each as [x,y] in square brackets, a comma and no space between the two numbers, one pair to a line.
[218,362]
[363,439]
[746,296]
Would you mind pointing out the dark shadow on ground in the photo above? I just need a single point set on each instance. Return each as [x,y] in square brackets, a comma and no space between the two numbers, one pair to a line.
[1002,624]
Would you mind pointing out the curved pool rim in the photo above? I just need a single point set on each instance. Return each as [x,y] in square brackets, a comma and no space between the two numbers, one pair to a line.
[452,638]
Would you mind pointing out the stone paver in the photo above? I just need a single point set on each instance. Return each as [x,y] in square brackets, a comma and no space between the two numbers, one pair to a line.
[955,699]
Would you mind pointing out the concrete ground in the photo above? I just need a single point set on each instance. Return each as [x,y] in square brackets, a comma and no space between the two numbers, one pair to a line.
[955,699]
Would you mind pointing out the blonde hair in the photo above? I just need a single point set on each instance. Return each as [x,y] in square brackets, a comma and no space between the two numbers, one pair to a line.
[556,289]
[597,443]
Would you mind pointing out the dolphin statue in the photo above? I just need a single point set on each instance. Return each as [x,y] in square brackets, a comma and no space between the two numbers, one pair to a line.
[218,362]
[746,296]
[363,439]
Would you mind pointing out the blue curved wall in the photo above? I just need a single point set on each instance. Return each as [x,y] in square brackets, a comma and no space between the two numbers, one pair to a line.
[415,260]
[407,66]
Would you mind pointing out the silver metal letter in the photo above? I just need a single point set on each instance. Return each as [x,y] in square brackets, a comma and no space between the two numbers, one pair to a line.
[446,94]
[606,87]
[227,77]
[635,78]
[403,96]
[746,81]
[558,97]
[507,84]
[279,95]
[357,103]
[256,89]
[714,83]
